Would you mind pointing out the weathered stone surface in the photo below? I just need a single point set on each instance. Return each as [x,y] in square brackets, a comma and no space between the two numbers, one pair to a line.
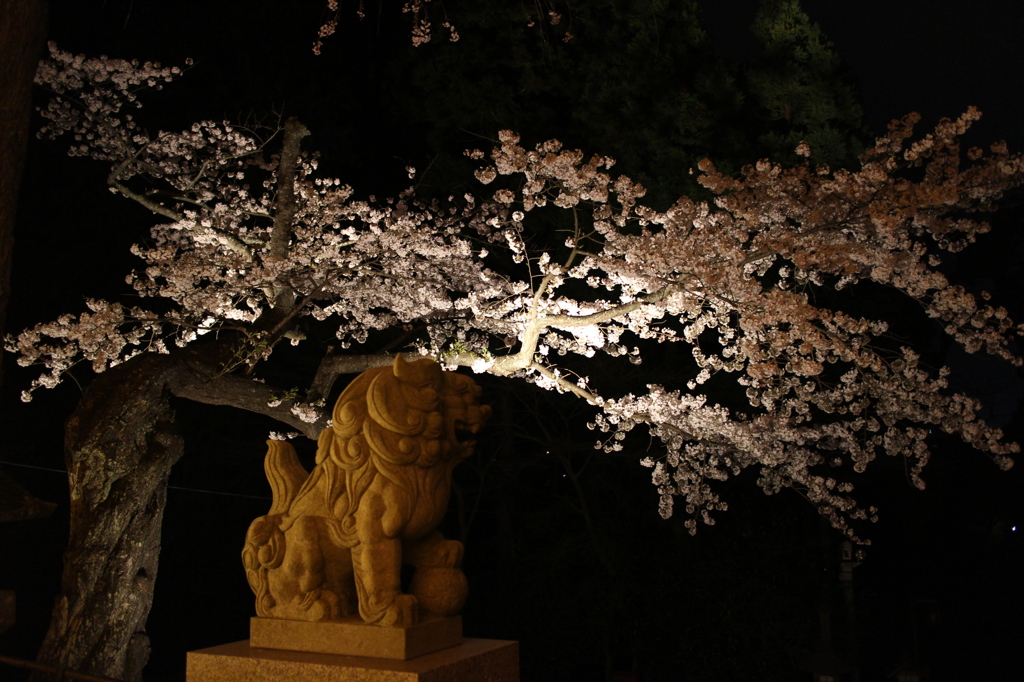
[353,637]
[334,541]
[120,444]
[475,660]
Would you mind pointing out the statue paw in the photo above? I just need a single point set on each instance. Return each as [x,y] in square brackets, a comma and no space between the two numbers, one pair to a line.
[402,612]
[312,607]
[452,553]
[435,552]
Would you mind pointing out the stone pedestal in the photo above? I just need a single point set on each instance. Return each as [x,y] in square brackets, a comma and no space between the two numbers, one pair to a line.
[475,660]
[353,637]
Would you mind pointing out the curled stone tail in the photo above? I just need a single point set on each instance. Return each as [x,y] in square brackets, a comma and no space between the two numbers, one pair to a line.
[285,474]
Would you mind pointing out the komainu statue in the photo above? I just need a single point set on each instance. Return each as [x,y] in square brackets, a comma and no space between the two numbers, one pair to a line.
[335,539]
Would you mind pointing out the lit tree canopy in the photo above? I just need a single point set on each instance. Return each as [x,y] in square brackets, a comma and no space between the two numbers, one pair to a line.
[557,258]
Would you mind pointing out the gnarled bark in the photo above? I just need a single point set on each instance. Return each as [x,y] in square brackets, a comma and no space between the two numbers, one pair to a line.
[120,445]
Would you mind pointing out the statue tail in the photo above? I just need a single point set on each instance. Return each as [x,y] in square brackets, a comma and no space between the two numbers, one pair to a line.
[285,474]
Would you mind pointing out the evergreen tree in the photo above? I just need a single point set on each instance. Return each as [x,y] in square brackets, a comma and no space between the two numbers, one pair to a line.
[640,80]
[800,92]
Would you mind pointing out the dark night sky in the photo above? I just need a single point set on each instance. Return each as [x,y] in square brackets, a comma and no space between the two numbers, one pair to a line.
[935,57]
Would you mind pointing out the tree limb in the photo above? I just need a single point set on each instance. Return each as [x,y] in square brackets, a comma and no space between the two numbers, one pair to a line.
[332,366]
[609,314]
[286,206]
[567,385]
[143,201]
[201,380]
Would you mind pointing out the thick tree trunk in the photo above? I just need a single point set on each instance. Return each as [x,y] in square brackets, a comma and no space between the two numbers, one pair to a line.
[120,445]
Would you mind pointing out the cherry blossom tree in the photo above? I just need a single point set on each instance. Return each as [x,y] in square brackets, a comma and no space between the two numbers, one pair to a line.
[554,262]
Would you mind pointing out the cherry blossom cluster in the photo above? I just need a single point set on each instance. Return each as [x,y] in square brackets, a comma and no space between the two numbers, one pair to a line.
[828,391]
[90,99]
[365,264]
[557,258]
[422,28]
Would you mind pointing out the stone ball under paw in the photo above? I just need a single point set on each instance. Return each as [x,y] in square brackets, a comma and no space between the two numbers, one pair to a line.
[439,591]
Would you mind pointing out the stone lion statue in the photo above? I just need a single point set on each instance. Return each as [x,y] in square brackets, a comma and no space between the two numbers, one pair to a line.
[335,540]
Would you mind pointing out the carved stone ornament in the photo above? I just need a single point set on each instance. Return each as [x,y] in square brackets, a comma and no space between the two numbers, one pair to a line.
[334,541]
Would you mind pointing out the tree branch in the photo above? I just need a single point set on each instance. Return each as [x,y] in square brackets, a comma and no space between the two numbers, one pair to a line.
[234,390]
[229,240]
[609,314]
[145,202]
[285,206]
[567,385]
[332,366]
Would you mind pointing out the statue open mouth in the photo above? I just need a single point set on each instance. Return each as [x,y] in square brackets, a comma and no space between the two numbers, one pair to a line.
[465,433]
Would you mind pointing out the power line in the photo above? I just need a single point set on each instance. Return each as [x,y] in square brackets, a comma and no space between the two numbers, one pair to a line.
[170,487]
[217,492]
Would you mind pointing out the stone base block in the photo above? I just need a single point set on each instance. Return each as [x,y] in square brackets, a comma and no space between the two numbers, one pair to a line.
[356,638]
[475,660]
